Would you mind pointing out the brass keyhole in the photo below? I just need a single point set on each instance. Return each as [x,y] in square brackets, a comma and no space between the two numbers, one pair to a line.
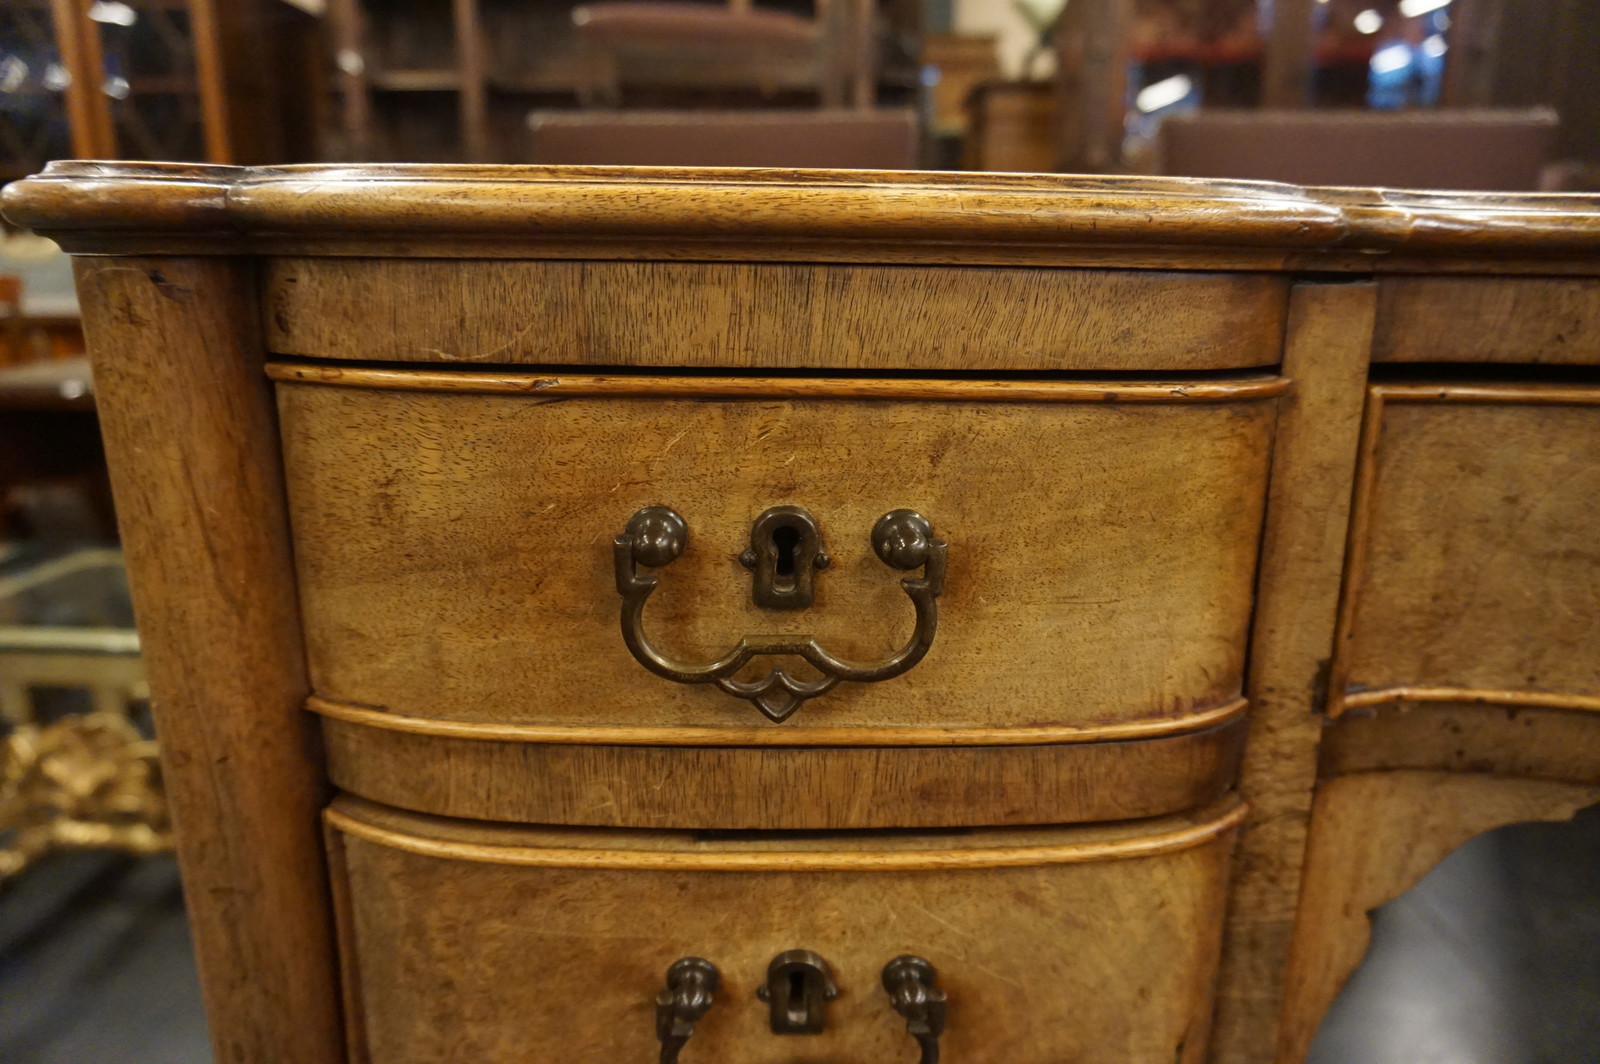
[784,556]
[797,991]
[797,997]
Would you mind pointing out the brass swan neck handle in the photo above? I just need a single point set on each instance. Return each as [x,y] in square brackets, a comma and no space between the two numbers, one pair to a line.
[691,984]
[657,535]
[910,982]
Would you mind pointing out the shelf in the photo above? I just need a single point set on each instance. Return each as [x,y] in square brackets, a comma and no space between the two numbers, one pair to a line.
[540,84]
[1238,53]
[164,84]
[1205,53]
[414,80]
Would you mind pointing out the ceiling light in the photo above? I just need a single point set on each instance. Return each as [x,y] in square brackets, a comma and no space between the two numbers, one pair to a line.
[1414,8]
[1369,21]
[1163,93]
[1390,59]
[113,12]
[13,74]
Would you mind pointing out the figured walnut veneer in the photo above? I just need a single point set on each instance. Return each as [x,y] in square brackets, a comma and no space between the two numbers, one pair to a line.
[1271,578]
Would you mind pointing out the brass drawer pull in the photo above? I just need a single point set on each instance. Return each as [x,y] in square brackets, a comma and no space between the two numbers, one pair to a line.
[910,983]
[691,982]
[656,536]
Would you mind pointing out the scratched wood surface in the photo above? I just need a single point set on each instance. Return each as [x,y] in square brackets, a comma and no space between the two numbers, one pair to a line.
[678,314]
[454,551]
[1473,548]
[188,422]
[1314,459]
[1374,835]
[1528,742]
[456,592]
[1092,945]
[1550,320]
[798,215]
[784,787]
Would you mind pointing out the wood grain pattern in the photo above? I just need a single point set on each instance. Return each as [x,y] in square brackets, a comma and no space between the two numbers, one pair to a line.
[576,948]
[1413,693]
[1500,739]
[451,525]
[1413,225]
[187,417]
[1552,320]
[691,203]
[454,553]
[795,215]
[784,787]
[1473,552]
[578,211]
[678,314]
[350,1001]
[680,735]
[778,851]
[1492,392]
[552,385]
[1314,460]
[1373,836]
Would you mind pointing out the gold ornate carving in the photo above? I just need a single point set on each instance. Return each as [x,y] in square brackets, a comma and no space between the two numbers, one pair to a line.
[83,782]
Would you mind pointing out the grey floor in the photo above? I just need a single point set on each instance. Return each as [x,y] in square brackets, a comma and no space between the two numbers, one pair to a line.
[1493,959]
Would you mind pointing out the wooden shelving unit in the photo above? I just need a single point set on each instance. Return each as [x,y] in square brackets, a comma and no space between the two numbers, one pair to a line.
[447,81]
[224,81]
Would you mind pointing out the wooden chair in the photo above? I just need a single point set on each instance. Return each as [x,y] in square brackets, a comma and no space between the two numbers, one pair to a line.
[1011,127]
[698,47]
[13,331]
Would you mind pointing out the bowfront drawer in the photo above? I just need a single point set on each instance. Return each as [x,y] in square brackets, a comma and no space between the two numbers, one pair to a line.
[456,544]
[476,942]
[842,603]
[1473,549]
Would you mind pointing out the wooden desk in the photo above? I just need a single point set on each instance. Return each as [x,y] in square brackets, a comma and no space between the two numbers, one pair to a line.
[1117,729]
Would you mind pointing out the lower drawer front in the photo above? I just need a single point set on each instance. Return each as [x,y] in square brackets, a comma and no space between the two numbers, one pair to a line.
[496,944]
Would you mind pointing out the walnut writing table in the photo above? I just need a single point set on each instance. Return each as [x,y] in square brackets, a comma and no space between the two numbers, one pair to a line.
[607,615]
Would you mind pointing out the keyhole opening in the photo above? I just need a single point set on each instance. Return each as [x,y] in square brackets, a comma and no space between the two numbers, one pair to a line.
[797,998]
[785,538]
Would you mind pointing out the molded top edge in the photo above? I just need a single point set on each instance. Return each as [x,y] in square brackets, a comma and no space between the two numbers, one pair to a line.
[97,206]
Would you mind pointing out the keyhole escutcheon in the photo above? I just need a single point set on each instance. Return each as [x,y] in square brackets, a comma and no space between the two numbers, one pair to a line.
[784,556]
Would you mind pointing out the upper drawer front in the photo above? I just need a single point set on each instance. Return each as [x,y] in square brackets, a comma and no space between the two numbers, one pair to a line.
[455,558]
[772,315]
[470,942]
[1474,548]
[1553,320]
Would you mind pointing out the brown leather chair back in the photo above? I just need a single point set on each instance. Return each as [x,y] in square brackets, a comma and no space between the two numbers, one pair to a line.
[852,140]
[1468,150]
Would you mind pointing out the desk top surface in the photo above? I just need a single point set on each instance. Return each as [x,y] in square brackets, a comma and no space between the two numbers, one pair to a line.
[788,215]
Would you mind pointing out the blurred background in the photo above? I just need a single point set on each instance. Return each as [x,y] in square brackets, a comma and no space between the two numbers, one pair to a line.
[1495,957]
